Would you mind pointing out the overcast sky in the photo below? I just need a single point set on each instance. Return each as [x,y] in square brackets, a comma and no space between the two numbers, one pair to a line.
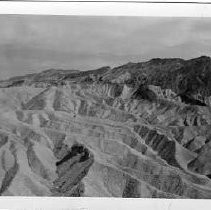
[35,43]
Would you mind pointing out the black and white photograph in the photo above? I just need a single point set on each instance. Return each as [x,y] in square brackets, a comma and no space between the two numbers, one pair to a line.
[105,106]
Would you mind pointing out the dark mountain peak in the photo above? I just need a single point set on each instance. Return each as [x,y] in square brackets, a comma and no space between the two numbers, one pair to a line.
[153,63]
[165,60]
[203,57]
[202,60]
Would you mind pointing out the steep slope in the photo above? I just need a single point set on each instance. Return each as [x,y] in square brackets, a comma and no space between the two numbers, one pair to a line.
[108,132]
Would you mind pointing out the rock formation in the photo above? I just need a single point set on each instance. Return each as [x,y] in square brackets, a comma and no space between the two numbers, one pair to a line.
[137,130]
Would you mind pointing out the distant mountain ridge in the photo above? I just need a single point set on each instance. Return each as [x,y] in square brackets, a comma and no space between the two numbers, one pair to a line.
[188,78]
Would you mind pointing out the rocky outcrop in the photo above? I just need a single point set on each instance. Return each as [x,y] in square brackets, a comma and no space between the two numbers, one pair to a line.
[71,170]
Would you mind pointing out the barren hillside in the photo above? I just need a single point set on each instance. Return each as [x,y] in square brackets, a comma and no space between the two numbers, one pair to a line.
[137,130]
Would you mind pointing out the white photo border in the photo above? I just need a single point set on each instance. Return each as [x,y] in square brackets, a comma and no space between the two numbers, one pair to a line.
[104,9]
